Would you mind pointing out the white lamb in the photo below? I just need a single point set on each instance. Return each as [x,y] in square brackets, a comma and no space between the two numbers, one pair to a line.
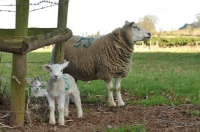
[59,88]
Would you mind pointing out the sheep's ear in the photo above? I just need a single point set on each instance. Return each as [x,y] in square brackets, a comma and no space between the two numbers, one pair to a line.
[65,64]
[131,23]
[43,83]
[46,67]
[30,81]
[127,22]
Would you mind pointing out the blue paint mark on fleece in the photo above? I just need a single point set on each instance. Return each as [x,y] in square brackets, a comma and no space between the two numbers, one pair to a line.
[67,86]
[88,42]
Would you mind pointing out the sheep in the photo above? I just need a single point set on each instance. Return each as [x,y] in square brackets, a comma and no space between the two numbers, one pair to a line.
[36,90]
[105,57]
[59,87]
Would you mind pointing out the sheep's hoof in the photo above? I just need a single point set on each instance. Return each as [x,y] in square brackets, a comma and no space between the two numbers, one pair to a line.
[112,105]
[80,116]
[51,124]
[120,103]
[122,106]
[61,123]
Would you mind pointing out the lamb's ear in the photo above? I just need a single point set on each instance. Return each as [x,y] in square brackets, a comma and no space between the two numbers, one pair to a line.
[46,67]
[43,83]
[65,64]
[30,81]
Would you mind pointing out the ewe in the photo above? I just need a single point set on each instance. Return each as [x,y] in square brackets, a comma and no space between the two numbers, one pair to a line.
[105,57]
[59,87]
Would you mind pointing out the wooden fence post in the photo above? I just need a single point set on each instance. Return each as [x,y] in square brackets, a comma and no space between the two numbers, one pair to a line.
[197,44]
[19,67]
[157,45]
[62,23]
[150,45]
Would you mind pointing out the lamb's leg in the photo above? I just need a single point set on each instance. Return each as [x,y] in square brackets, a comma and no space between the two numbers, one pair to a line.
[67,105]
[52,111]
[61,103]
[77,101]
[118,92]
[111,101]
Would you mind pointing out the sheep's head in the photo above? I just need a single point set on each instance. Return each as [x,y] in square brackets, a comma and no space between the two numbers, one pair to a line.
[35,86]
[35,82]
[135,32]
[56,70]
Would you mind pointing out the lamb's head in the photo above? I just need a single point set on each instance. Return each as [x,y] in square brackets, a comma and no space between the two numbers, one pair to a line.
[56,70]
[135,32]
[35,86]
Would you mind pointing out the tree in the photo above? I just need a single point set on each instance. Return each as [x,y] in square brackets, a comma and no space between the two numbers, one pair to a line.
[148,22]
[198,19]
[97,34]
[190,28]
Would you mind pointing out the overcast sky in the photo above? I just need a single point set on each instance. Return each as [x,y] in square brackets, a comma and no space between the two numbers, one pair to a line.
[105,15]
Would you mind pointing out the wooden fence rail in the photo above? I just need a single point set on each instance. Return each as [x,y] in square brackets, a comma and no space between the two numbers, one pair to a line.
[22,45]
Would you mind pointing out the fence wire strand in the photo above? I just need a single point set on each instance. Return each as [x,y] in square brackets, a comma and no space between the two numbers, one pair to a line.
[34,4]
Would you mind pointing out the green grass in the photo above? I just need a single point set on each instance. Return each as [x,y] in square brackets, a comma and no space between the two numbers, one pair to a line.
[35,60]
[155,79]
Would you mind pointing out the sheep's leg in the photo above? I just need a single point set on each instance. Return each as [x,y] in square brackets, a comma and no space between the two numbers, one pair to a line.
[61,103]
[118,91]
[67,105]
[52,111]
[111,101]
[77,101]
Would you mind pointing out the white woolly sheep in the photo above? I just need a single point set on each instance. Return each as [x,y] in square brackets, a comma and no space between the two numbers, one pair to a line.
[59,87]
[105,57]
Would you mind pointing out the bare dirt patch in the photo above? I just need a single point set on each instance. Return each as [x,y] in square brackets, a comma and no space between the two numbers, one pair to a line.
[99,117]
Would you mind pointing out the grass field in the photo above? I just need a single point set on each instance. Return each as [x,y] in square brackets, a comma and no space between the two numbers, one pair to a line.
[155,79]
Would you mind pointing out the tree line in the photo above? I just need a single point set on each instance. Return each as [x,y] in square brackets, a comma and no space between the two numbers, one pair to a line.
[148,22]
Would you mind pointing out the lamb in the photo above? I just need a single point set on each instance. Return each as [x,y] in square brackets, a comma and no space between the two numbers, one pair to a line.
[59,87]
[36,90]
[105,57]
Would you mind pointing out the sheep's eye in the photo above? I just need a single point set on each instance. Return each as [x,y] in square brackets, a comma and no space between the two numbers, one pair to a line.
[135,27]
[61,70]
[50,70]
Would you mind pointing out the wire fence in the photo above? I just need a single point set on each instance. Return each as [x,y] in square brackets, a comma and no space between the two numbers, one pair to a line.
[4,78]
[34,4]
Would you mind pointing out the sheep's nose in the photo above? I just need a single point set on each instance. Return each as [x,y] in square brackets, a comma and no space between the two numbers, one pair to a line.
[149,34]
[37,88]
[56,76]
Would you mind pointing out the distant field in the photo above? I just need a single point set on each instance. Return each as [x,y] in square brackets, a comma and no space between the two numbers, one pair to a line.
[185,32]
[155,79]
